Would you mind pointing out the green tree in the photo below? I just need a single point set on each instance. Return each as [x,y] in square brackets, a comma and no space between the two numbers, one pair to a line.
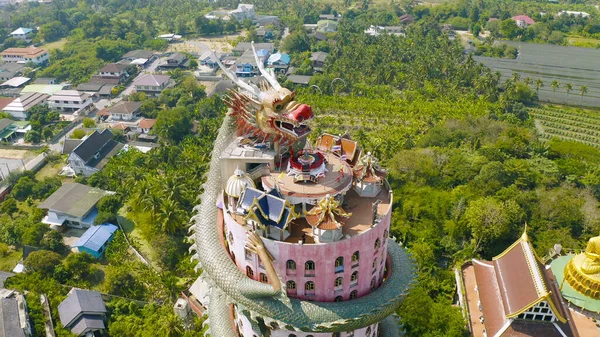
[78,134]
[568,88]
[53,240]
[33,136]
[88,123]
[173,125]
[582,91]
[538,84]
[34,234]
[9,206]
[509,28]
[554,85]
[42,261]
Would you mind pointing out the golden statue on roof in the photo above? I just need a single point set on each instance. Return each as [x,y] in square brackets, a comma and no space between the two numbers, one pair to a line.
[591,263]
[326,210]
[583,270]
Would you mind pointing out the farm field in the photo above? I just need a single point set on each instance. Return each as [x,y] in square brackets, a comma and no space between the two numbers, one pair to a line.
[567,65]
[576,124]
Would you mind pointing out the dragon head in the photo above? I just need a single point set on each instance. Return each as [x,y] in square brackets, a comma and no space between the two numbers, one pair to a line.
[268,112]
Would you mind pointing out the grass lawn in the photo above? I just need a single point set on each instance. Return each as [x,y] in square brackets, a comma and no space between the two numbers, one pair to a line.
[50,170]
[7,263]
[134,233]
[55,45]
[579,41]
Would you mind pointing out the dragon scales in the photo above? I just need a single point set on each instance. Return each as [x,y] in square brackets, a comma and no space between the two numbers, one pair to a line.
[268,303]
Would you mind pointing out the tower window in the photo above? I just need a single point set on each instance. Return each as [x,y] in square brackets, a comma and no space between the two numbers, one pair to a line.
[249,272]
[353,294]
[339,264]
[291,285]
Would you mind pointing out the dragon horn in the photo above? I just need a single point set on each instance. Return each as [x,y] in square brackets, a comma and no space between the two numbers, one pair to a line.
[253,89]
[267,75]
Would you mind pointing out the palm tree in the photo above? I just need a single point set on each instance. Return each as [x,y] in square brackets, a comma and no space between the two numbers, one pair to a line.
[568,88]
[554,85]
[170,216]
[582,91]
[516,77]
[538,84]
[528,81]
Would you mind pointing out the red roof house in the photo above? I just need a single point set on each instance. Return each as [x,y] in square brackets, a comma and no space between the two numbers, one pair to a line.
[523,20]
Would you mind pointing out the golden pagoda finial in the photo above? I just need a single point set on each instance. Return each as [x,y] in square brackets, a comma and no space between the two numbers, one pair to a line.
[524,236]
[328,207]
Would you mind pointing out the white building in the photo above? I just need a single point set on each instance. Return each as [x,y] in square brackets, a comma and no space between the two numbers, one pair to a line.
[243,11]
[25,55]
[69,100]
[582,14]
[19,107]
[21,33]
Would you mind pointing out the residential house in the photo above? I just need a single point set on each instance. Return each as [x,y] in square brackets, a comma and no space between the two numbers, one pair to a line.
[10,70]
[374,30]
[515,294]
[125,110]
[327,26]
[395,30]
[19,107]
[242,12]
[97,89]
[406,19]
[95,239]
[25,55]
[580,14]
[266,20]
[140,57]
[209,59]
[112,73]
[83,312]
[14,316]
[48,89]
[70,101]
[152,84]
[15,82]
[4,101]
[243,47]
[170,37]
[318,60]
[45,80]
[332,17]
[523,21]
[299,79]
[264,33]
[279,62]
[22,33]
[93,152]
[319,36]
[145,125]
[10,129]
[72,205]
[176,60]
[246,66]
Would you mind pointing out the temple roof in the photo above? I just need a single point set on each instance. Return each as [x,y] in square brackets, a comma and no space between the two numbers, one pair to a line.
[342,146]
[369,170]
[327,214]
[266,208]
[512,283]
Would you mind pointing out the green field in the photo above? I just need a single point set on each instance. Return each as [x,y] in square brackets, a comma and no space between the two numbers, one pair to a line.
[54,45]
[575,124]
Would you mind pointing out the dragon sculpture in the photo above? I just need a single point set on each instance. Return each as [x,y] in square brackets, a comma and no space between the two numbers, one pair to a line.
[270,113]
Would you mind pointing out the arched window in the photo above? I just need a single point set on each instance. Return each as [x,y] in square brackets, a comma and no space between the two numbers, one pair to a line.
[249,272]
[230,238]
[339,264]
[248,254]
[353,294]
[354,277]
[377,244]
[309,268]
[263,278]
[386,233]
[374,264]
[309,287]
[373,282]
[290,264]
[291,285]
[355,257]
[338,282]
[338,299]
[368,333]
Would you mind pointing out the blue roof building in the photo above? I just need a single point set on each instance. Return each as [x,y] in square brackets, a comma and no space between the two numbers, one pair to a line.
[278,59]
[95,239]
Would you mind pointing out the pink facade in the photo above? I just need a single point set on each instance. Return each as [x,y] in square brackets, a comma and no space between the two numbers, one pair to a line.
[369,268]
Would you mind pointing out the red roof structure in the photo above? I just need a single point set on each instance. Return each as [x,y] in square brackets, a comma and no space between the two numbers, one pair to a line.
[524,18]
[519,297]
